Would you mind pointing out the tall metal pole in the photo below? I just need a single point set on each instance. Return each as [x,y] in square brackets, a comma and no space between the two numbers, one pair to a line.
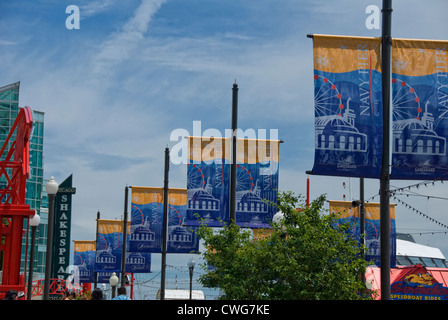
[362,222]
[125,222]
[386,41]
[362,214]
[307,192]
[232,214]
[95,274]
[165,223]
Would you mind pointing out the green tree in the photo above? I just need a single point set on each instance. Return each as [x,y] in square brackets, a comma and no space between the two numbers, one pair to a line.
[306,256]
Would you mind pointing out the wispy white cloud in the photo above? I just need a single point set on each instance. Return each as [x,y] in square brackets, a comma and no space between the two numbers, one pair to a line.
[93,7]
[7,43]
[120,45]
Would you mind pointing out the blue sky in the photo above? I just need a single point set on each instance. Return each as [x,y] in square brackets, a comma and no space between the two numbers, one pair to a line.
[136,70]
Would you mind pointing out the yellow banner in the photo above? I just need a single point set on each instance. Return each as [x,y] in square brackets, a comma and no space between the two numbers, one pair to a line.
[112,226]
[84,245]
[248,150]
[412,57]
[339,54]
[371,210]
[145,195]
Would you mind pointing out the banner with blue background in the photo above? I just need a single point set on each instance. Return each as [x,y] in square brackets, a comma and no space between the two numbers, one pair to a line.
[208,181]
[348,106]
[347,214]
[84,259]
[419,109]
[147,222]
[109,250]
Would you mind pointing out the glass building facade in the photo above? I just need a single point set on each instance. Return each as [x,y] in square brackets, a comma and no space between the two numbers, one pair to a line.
[9,109]
[34,195]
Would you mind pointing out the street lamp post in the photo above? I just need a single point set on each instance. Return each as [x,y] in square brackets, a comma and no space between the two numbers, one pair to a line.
[51,188]
[34,223]
[191,265]
[113,281]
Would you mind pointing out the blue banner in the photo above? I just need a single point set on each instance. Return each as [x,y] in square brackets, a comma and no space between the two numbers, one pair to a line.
[108,246]
[348,106]
[419,109]
[109,250]
[208,181]
[84,259]
[147,222]
[347,214]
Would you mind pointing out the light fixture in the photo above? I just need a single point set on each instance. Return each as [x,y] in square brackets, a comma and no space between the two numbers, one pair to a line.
[52,186]
[113,280]
[35,220]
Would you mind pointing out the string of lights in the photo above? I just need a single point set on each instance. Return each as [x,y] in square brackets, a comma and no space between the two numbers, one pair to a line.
[418,185]
[420,213]
[427,232]
[407,191]
[154,282]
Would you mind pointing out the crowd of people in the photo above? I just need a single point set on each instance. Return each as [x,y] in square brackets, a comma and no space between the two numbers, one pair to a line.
[96,294]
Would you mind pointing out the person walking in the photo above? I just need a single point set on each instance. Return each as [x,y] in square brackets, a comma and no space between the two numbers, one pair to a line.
[97,294]
[121,294]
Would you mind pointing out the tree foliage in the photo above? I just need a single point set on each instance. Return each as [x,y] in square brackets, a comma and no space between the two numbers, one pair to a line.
[306,256]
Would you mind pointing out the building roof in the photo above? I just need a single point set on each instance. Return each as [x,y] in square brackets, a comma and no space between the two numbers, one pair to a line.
[411,249]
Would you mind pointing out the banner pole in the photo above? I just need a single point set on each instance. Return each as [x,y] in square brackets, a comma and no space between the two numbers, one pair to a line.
[125,221]
[362,222]
[232,213]
[95,274]
[165,223]
[386,40]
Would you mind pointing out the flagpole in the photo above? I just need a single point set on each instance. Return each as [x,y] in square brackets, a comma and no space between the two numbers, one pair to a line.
[95,274]
[125,221]
[165,223]
[362,222]
[386,40]
[232,200]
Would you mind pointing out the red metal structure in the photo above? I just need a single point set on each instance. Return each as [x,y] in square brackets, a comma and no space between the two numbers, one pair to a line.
[57,287]
[14,171]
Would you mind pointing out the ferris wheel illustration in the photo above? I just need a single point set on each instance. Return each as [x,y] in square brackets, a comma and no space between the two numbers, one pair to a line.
[327,98]
[137,216]
[101,243]
[372,237]
[104,244]
[371,232]
[244,179]
[78,260]
[174,217]
[405,102]
[81,263]
[195,177]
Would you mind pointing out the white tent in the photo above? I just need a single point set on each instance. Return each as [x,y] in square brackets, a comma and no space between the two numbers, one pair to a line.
[175,294]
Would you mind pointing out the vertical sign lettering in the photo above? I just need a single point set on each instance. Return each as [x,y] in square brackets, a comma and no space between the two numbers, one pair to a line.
[62,226]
